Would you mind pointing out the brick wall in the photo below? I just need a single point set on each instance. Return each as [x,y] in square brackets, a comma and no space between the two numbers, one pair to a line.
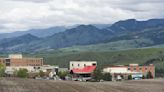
[27,62]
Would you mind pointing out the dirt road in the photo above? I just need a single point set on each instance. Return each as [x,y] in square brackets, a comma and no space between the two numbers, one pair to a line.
[29,85]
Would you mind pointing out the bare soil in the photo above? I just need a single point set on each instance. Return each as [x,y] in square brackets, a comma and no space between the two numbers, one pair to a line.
[30,85]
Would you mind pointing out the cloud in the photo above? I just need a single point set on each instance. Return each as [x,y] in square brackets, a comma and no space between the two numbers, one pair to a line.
[17,15]
[34,1]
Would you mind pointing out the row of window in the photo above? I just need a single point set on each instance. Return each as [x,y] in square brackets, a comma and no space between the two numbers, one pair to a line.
[94,64]
[34,61]
[139,68]
[34,64]
[78,64]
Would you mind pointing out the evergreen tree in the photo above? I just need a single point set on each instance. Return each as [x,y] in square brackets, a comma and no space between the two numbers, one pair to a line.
[97,74]
[129,77]
[143,77]
[149,75]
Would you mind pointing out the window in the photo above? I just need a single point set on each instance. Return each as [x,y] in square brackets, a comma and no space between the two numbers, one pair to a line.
[72,64]
[145,68]
[84,64]
[78,64]
[94,64]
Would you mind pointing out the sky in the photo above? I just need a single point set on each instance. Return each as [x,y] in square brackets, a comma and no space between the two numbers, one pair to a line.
[20,15]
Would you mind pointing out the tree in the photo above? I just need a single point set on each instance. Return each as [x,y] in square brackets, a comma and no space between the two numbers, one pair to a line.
[107,77]
[149,75]
[129,77]
[15,72]
[63,74]
[161,55]
[22,73]
[143,77]
[41,73]
[2,70]
[97,74]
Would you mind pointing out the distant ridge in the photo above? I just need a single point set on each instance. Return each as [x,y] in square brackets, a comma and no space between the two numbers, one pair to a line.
[139,33]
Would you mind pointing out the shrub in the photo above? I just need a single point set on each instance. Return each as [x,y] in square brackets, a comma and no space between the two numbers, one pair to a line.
[129,77]
[41,73]
[2,70]
[63,74]
[22,73]
[107,77]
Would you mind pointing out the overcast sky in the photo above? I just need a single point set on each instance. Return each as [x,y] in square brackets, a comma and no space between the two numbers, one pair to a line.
[17,15]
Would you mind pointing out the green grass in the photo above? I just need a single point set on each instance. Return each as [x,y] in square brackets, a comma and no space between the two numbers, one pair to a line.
[111,46]
[140,56]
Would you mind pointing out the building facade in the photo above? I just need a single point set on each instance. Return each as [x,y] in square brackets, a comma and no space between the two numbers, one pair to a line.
[135,70]
[82,70]
[142,69]
[19,60]
[81,64]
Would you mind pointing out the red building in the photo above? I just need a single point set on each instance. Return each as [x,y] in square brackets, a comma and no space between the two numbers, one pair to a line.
[82,74]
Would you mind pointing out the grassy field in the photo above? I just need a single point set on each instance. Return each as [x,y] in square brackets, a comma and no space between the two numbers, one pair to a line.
[30,85]
[141,56]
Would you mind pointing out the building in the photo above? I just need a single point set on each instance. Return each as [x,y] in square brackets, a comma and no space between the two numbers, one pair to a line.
[122,72]
[19,60]
[142,69]
[48,70]
[82,70]
[81,64]
[10,70]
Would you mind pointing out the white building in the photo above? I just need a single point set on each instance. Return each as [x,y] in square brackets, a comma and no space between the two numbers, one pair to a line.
[12,69]
[81,64]
[33,69]
[116,69]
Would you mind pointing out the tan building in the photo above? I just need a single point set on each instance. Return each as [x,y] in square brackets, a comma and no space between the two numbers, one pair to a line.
[137,71]
[19,60]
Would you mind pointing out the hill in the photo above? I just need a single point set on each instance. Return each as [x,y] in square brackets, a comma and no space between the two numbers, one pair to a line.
[121,35]
[113,46]
[36,32]
[132,25]
[141,56]
[14,44]
[81,35]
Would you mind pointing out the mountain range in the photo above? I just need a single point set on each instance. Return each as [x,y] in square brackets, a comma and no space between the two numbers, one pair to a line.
[36,32]
[133,33]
